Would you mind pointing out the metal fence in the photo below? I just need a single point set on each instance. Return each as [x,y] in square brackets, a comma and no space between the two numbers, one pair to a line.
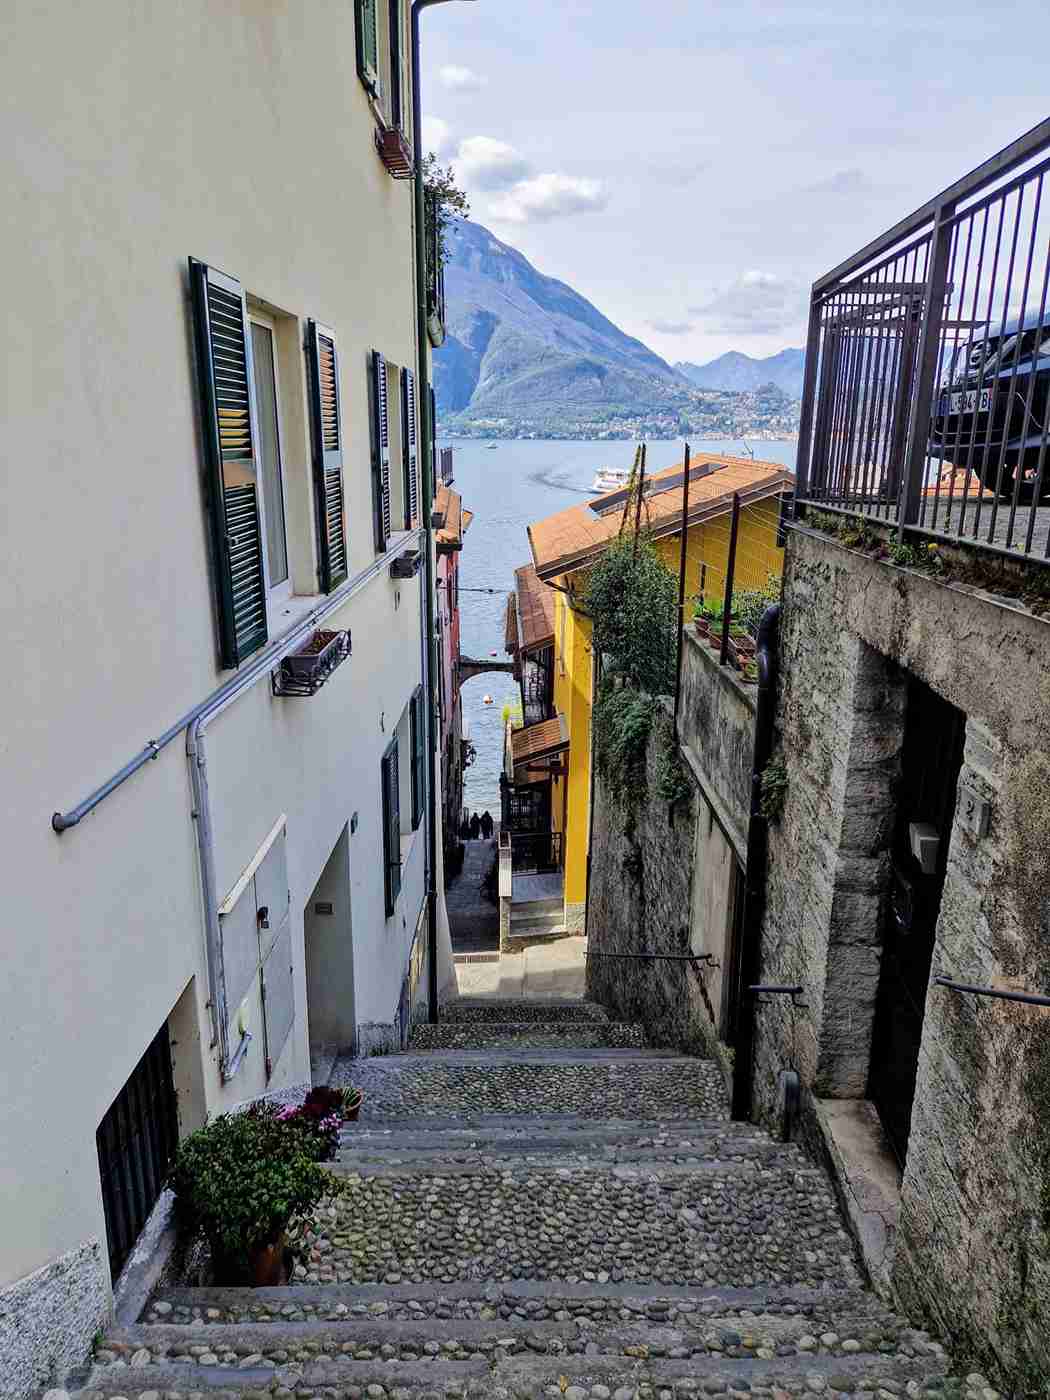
[535,852]
[445,467]
[925,401]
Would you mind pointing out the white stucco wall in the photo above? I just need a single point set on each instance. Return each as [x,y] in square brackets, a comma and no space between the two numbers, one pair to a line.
[135,137]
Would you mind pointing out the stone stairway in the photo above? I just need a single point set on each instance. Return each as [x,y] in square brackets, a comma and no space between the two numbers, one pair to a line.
[540,1205]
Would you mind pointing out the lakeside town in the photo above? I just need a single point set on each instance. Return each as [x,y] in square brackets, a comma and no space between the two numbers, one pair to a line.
[710,1056]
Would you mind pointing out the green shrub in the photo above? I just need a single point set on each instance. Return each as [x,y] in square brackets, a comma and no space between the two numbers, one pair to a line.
[632,599]
[774,783]
[247,1177]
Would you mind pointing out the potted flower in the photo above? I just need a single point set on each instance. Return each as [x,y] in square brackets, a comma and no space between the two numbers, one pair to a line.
[246,1182]
[352,1101]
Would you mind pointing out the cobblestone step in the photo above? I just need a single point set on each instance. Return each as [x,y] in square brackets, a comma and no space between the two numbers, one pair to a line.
[483,1035]
[637,1335]
[481,1009]
[559,1153]
[585,1084]
[725,1224]
[480,1131]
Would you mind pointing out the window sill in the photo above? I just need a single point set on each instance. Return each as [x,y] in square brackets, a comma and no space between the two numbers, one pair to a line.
[283,616]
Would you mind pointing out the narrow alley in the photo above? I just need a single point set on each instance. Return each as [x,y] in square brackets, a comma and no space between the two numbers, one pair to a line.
[541,1205]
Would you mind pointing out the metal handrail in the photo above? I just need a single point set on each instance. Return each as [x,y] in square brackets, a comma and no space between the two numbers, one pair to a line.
[1028,998]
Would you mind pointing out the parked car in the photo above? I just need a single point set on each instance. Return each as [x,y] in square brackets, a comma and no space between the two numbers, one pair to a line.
[992,406]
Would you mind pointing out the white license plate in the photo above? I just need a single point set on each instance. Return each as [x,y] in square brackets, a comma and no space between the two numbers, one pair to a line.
[966,401]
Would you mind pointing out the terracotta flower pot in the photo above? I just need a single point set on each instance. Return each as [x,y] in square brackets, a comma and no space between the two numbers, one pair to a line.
[350,1114]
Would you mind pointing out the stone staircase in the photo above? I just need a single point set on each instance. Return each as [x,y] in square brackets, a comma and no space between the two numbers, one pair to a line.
[540,1205]
[537,920]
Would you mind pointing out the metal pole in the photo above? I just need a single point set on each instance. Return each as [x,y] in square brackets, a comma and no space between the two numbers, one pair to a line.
[426,458]
[727,605]
[638,504]
[682,551]
[809,389]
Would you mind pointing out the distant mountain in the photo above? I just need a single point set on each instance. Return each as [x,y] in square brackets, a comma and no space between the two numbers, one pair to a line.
[524,352]
[740,373]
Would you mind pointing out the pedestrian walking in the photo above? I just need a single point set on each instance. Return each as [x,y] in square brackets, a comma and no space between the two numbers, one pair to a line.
[486,825]
[475,827]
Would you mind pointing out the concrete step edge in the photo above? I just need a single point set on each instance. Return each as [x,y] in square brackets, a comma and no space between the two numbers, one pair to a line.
[184,1377]
[639,1171]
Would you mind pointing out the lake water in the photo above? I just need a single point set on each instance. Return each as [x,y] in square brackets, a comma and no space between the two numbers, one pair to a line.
[508,488]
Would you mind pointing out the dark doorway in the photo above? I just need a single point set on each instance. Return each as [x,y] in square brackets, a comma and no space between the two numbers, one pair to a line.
[136,1143]
[931,757]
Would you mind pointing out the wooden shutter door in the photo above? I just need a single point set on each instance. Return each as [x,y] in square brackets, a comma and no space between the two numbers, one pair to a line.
[380,424]
[391,828]
[227,420]
[408,439]
[418,755]
[368,43]
[327,433]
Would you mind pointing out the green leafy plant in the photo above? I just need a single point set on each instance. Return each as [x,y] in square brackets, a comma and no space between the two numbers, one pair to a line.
[774,784]
[750,604]
[246,1178]
[622,721]
[672,780]
[512,713]
[632,599]
[444,201]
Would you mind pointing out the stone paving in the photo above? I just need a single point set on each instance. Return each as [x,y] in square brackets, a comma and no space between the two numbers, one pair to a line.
[530,1216]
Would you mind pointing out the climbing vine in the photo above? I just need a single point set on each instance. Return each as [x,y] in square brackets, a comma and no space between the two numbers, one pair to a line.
[774,785]
[622,721]
[632,599]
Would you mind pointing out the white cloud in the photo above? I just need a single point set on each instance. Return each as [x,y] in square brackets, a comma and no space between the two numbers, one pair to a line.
[437,136]
[756,303]
[850,181]
[460,79]
[549,197]
[486,164]
[670,327]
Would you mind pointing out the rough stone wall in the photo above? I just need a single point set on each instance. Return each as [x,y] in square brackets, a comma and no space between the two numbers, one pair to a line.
[973,1246]
[716,723]
[641,870]
[48,1321]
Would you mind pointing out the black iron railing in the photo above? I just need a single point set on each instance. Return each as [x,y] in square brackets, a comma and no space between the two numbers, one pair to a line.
[925,401]
[535,852]
[444,472]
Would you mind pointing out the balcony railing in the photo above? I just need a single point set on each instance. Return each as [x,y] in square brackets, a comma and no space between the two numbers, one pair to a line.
[444,471]
[535,852]
[926,401]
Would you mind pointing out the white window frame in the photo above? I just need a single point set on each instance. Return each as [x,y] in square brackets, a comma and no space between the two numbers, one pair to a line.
[280,592]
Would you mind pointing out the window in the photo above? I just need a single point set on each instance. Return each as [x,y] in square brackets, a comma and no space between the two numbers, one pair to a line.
[379,52]
[409,462]
[391,795]
[231,459]
[264,376]
[327,441]
[417,725]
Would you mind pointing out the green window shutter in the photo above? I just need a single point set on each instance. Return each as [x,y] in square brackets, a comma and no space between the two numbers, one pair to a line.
[418,718]
[379,420]
[368,43]
[391,828]
[223,346]
[396,91]
[326,430]
[410,466]
[433,448]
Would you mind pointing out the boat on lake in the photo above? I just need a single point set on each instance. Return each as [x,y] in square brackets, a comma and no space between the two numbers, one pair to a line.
[608,479]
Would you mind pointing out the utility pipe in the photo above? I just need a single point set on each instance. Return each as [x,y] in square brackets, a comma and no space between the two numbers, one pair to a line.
[755,878]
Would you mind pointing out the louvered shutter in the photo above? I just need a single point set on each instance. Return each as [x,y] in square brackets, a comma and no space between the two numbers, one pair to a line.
[433,448]
[327,432]
[380,424]
[418,728]
[391,828]
[409,453]
[368,43]
[227,419]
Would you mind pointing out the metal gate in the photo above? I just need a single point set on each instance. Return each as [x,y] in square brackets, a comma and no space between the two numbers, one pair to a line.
[930,762]
[136,1143]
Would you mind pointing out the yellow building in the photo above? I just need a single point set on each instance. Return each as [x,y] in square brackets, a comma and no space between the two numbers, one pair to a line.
[547,790]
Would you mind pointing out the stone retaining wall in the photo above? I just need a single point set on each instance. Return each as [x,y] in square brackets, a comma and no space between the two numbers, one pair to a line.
[973,1244]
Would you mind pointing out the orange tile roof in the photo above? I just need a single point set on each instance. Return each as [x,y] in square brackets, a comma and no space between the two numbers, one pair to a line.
[574,537]
[538,741]
[535,609]
[958,487]
[449,505]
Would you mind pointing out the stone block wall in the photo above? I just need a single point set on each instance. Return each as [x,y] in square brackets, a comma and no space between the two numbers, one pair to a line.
[973,1242]
[651,867]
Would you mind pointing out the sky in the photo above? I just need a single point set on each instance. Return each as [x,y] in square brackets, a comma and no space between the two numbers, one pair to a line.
[692,167]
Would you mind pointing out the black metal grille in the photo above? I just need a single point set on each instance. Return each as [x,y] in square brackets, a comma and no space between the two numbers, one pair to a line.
[136,1143]
[928,365]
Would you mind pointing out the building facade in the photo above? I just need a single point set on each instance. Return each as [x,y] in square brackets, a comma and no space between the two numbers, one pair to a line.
[451,524]
[215,555]
[563,547]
